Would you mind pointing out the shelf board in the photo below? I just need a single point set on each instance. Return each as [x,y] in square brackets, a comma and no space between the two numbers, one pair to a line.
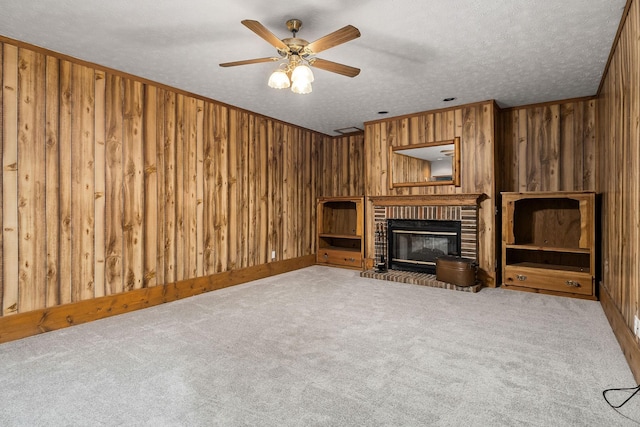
[339,248]
[537,265]
[341,236]
[550,249]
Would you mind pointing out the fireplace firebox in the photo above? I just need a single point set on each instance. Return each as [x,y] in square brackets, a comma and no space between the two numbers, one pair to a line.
[414,245]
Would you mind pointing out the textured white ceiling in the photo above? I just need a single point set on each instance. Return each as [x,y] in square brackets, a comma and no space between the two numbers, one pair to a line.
[413,53]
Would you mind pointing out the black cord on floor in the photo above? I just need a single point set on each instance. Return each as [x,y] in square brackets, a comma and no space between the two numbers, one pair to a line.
[636,390]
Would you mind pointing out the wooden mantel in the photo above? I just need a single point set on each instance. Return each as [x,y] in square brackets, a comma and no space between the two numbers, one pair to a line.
[462,199]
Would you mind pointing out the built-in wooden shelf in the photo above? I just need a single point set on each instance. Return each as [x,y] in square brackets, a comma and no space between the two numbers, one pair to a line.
[459,199]
[340,236]
[340,225]
[548,243]
[550,248]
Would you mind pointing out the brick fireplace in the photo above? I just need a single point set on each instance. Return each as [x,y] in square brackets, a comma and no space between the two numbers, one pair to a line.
[449,207]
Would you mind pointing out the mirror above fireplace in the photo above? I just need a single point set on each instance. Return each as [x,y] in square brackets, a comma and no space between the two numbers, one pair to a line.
[432,163]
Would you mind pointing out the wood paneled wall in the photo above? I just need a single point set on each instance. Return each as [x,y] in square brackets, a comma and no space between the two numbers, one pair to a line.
[550,147]
[110,184]
[618,148]
[475,125]
[341,166]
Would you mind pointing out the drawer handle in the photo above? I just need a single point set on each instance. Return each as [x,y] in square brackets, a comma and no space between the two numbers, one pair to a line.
[350,259]
[573,283]
[326,255]
[521,277]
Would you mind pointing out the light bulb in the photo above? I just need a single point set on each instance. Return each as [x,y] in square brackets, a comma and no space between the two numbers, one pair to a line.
[301,87]
[302,72]
[279,80]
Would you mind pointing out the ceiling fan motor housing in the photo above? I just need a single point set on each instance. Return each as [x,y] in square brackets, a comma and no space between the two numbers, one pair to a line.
[296,47]
[294,25]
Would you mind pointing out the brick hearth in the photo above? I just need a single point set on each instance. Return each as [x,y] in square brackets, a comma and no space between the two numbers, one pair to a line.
[422,279]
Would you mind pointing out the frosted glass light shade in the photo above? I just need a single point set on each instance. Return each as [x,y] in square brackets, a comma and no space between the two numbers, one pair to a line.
[302,72]
[301,87]
[279,80]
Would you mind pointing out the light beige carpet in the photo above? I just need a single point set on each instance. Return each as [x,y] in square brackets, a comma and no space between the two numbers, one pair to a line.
[323,347]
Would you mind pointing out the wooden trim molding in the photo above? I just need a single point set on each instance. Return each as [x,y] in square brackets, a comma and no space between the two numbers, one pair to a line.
[462,199]
[439,110]
[35,322]
[549,103]
[627,341]
[616,39]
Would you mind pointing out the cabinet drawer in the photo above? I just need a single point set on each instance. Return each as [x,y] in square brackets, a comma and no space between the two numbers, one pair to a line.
[552,280]
[337,257]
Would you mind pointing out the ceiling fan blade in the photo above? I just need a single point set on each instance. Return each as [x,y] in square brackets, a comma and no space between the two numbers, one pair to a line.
[249,61]
[263,32]
[340,36]
[334,67]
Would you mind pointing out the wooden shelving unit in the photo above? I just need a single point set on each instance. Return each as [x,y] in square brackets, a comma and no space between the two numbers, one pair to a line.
[548,243]
[340,236]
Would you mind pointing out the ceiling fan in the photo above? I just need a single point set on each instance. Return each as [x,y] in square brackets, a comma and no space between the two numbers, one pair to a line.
[298,53]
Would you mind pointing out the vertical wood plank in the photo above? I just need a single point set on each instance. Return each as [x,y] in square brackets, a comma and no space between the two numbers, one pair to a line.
[534,154]
[287,186]
[315,173]
[210,191]
[508,151]
[333,171]
[52,114]
[579,143]
[170,183]
[200,188]
[468,138]
[10,239]
[133,185]
[271,234]
[297,147]
[82,175]
[523,142]
[160,185]
[150,195]
[100,183]
[590,165]
[190,203]
[243,204]
[569,120]
[221,189]
[305,191]
[114,237]
[64,219]
[262,186]
[251,190]
[180,191]
[342,167]
[31,181]
[275,167]
[232,191]
[554,148]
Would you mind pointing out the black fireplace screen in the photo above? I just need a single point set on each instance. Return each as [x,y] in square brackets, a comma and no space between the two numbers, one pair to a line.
[414,245]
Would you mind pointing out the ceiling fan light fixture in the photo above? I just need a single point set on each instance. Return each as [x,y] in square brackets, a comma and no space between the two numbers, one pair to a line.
[279,80]
[299,54]
[301,87]
[303,73]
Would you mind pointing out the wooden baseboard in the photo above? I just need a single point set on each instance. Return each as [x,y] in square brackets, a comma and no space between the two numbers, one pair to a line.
[626,339]
[35,322]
